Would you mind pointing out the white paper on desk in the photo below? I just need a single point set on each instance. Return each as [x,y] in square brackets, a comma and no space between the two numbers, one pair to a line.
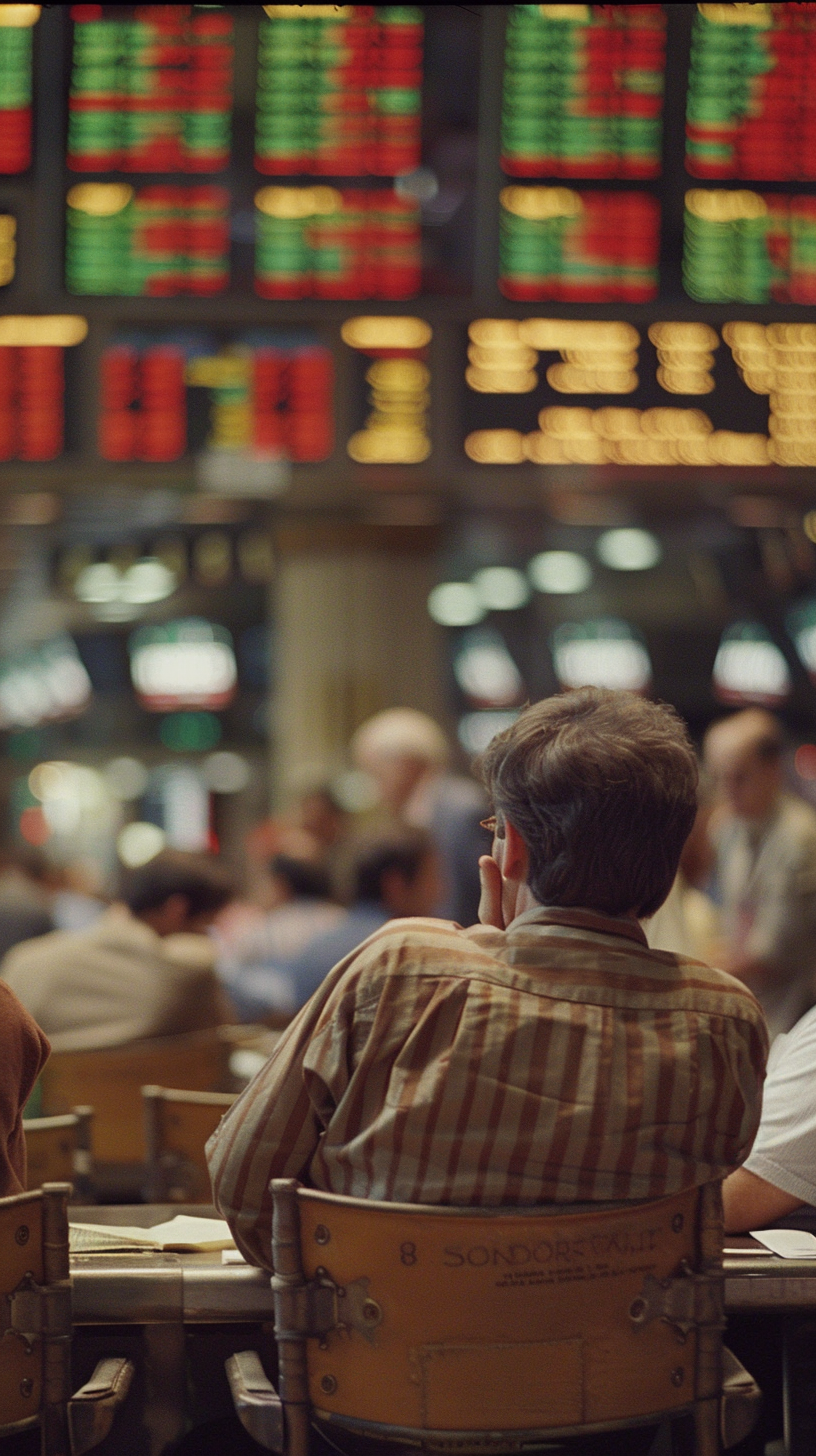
[183,1234]
[787,1243]
[232,1256]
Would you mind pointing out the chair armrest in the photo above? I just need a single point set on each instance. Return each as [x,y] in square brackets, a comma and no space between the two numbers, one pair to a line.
[740,1401]
[92,1410]
[257,1403]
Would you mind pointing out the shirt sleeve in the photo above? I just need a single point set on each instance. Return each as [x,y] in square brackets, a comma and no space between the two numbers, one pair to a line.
[274,1128]
[784,1153]
[25,1051]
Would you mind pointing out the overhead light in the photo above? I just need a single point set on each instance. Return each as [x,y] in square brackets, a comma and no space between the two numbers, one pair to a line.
[138,843]
[560,573]
[98,583]
[146,581]
[749,667]
[486,672]
[115,595]
[602,654]
[628,549]
[455,604]
[72,797]
[501,588]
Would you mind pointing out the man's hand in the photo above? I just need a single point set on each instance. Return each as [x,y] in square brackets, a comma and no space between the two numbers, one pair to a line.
[490,903]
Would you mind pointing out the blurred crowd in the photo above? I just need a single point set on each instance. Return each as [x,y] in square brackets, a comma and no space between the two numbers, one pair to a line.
[186,945]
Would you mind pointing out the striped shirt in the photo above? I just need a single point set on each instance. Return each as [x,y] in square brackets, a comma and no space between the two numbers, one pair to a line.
[558,1060]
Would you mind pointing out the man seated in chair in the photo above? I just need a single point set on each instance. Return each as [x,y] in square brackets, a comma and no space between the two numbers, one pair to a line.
[143,969]
[545,1055]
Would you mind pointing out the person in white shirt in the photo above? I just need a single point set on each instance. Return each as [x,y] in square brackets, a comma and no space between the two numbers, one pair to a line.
[407,755]
[779,1174]
[765,845]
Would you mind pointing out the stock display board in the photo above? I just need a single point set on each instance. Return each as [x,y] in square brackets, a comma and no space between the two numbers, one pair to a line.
[150,91]
[601,220]
[751,112]
[267,391]
[339,91]
[16,57]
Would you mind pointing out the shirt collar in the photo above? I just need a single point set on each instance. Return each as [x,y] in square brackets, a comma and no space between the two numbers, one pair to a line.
[579,918]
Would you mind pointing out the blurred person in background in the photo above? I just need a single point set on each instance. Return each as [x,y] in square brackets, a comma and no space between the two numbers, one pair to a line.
[79,897]
[688,922]
[406,754]
[765,849]
[299,907]
[27,885]
[145,968]
[394,874]
[316,812]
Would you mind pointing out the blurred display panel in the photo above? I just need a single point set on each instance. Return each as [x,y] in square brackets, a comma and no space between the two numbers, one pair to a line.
[32,383]
[339,90]
[157,241]
[586,247]
[606,653]
[750,668]
[398,380]
[745,248]
[188,663]
[151,88]
[44,684]
[583,91]
[777,361]
[751,108]
[16,50]
[272,394]
[8,247]
[321,242]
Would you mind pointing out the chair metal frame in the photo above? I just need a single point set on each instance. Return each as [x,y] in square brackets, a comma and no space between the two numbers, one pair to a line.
[80,1120]
[167,1168]
[306,1309]
[41,1313]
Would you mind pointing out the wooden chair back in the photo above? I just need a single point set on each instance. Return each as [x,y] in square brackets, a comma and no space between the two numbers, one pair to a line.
[480,1329]
[58,1150]
[35,1300]
[111,1081]
[177,1126]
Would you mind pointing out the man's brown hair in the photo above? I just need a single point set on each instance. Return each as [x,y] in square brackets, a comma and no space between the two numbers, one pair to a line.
[602,787]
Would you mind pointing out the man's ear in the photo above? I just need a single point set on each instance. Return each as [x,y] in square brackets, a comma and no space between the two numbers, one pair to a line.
[515,862]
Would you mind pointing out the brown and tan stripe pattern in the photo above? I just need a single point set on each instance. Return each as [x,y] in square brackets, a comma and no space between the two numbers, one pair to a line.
[559,1060]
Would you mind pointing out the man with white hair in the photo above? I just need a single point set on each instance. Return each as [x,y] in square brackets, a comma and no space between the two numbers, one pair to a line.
[765,842]
[407,754]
